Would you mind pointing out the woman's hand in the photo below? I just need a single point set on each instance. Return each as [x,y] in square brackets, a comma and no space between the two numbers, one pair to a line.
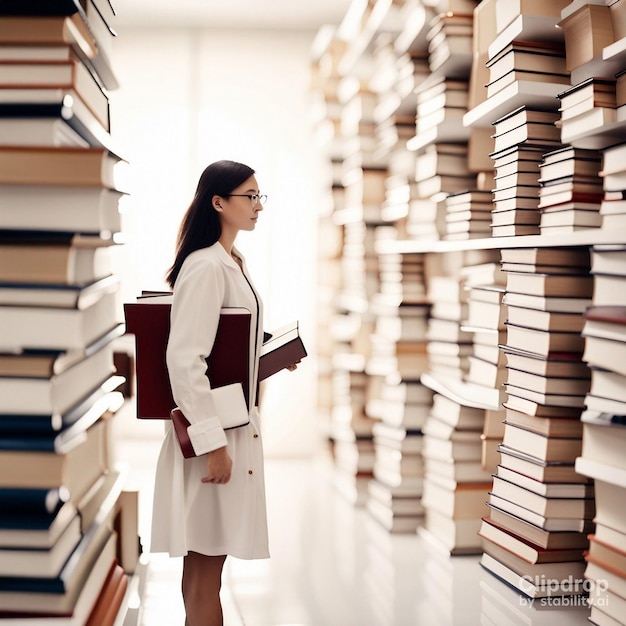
[293,366]
[219,466]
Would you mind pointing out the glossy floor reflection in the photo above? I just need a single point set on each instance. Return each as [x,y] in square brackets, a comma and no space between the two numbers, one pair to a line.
[333,565]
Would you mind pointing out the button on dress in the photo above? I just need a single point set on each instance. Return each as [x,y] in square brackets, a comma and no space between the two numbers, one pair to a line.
[189,515]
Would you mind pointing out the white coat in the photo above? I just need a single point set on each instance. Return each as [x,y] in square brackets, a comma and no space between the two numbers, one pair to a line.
[189,515]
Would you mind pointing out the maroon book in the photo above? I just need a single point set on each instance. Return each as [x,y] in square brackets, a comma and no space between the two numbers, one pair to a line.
[149,320]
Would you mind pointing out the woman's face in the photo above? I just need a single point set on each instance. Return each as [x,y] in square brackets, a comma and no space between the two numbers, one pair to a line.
[240,209]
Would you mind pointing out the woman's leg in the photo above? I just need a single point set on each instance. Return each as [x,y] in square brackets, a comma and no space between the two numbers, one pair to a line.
[202,580]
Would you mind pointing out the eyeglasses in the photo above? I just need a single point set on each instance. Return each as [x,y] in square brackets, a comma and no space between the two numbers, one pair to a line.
[254,197]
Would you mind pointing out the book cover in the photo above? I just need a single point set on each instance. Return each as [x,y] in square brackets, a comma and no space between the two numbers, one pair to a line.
[149,322]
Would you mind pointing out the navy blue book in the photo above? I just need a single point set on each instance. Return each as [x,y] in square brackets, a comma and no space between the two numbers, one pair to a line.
[89,411]
[81,560]
[49,8]
[15,502]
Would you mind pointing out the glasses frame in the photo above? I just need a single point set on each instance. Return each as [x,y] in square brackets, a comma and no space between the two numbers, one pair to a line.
[255,198]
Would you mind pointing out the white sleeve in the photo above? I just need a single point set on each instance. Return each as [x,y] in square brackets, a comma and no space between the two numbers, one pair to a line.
[198,294]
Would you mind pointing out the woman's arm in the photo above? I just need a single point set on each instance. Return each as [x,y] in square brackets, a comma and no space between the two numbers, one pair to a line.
[198,295]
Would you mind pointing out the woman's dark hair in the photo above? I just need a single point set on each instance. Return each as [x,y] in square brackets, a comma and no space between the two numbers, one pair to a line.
[201,225]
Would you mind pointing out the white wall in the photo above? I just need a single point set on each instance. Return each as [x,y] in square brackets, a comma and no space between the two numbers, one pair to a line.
[189,97]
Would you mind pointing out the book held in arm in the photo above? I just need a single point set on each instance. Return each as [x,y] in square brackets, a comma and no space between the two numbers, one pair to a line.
[227,365]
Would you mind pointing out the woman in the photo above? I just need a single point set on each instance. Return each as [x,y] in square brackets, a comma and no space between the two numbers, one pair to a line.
[211,505]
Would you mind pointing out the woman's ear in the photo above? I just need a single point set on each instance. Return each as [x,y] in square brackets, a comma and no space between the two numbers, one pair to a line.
[217,203]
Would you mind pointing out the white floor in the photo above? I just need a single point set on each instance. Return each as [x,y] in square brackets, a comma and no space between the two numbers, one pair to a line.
[331,564]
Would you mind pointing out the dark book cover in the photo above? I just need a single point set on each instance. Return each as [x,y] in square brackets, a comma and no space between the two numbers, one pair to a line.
[227,363]
[283,348]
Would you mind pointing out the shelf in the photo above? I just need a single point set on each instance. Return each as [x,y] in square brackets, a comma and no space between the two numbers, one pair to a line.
[599,138]
[515,95]
[526,28]
[452,131]
[580,238]
[616,52]
[466,394]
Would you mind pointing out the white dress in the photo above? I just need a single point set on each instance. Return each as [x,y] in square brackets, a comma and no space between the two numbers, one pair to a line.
[189,515]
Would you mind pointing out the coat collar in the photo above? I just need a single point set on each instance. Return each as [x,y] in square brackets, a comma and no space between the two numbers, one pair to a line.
[226,259]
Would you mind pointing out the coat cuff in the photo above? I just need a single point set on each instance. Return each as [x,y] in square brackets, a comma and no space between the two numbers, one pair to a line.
[207,435]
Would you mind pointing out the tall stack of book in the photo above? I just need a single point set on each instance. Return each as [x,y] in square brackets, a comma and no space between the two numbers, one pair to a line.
[604,437]
[604,432]
[441,164]
[520,56]
[571,191]
[613,205]
[327,50]
[59,312]
[441,103]
[398,359]
[521,137]
[484,284]
[455,483]
[362,180]
[540,508]
[402,68]
[448,345]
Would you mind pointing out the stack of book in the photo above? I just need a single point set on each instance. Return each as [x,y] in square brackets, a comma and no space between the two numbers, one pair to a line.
[440,136]
[395,126]
[441,104]
[571,190]
[613,205]
[604,432]
[450,43]
[327,50]
[448,345]
[357,125]
[484,284]
[602,459]
[398,360]
[440,169]
[542,61]
[540,508]
[394,493]
[521,137]
[485,318]
[455,483]
[59,313]
[350,429]
[468,214]
[519,51]
[399,191]
[604,328]
[586,107]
